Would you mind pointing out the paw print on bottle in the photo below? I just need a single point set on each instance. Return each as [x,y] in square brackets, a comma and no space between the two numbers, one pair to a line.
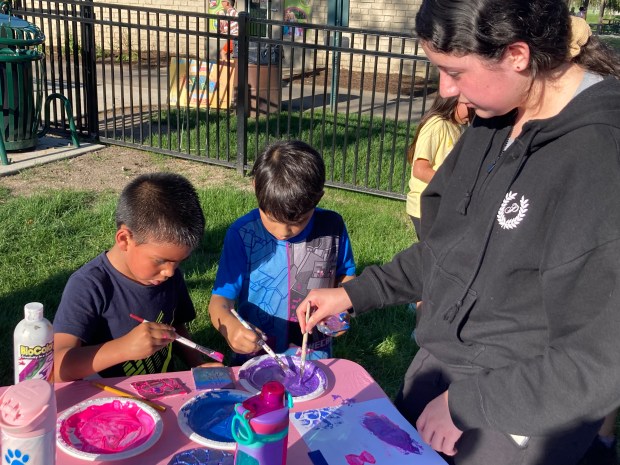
[16,458]
[28,423]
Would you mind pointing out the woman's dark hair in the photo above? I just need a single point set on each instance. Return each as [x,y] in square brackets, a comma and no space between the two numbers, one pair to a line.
[445,108]
[289,177]
[161,207]
[487,27]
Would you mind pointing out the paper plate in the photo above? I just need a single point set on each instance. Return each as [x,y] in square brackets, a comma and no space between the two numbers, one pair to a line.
[108,428]
[207,417]
[202,457]
[258,370]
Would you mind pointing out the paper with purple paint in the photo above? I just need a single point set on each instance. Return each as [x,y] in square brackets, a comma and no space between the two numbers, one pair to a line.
[354,433]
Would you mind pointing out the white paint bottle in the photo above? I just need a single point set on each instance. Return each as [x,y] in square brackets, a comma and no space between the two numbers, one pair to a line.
[33,346]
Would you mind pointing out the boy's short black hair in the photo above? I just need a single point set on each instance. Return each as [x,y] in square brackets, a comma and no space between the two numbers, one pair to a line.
[161,207]
[289,177]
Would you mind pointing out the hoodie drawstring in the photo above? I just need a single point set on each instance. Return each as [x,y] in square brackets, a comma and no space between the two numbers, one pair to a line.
[453,311]
[464,203]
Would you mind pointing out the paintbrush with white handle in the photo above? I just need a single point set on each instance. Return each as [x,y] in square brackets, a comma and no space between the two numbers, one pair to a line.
[304,346]
[262,344]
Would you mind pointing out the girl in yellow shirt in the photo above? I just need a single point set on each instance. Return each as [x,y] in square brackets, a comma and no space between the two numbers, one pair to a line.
[436,134]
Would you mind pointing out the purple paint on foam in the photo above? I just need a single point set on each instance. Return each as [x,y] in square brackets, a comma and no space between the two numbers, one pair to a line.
[269,370]
[108,428]
[387,431]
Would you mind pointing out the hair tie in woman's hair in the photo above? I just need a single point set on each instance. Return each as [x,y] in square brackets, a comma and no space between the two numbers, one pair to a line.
[580,32]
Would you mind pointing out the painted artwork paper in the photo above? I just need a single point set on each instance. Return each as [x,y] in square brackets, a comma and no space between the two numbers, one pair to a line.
[366,432]
[153,389]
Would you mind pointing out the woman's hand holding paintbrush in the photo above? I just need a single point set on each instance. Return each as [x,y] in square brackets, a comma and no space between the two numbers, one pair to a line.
[325,302]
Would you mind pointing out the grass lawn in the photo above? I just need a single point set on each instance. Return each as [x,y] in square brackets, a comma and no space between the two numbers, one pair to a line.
[612,41]
[46,236]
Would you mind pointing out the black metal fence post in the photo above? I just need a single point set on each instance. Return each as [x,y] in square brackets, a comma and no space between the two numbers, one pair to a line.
[242,92]
[89,58]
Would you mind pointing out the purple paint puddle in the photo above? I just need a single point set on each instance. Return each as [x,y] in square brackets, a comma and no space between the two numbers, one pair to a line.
[268,370]
[108,428]
[390,433]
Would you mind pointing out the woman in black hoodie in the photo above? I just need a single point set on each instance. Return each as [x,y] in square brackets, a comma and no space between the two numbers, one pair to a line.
[519,259]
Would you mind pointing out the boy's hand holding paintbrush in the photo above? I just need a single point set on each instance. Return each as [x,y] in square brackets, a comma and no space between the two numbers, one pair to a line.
[240,338]
[261,343]
[174,335]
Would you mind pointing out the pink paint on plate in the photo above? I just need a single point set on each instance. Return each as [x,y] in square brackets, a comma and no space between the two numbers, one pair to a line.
[108,428]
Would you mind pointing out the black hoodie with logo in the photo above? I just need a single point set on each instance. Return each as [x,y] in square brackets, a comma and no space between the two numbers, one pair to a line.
[519,269]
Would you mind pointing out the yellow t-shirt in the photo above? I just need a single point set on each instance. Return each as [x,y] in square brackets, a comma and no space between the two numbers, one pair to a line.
[436,139]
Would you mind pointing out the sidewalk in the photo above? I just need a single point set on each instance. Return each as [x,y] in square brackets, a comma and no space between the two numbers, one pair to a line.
[125,88]
[48,149]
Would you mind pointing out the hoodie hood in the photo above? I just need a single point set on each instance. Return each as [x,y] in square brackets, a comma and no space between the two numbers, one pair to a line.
[599,104]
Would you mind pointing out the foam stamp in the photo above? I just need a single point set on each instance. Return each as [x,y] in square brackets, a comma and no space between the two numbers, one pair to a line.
[157,388]
[213,377]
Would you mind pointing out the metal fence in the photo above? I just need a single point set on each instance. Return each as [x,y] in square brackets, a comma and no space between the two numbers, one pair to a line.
[159,81]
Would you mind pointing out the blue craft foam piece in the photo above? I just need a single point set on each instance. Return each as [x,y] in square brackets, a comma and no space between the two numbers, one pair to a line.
[213,377]
[317,457]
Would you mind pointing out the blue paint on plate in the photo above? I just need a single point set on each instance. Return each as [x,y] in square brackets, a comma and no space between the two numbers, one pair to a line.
[207,417]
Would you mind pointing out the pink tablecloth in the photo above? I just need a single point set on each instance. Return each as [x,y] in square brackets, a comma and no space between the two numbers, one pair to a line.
[346,379]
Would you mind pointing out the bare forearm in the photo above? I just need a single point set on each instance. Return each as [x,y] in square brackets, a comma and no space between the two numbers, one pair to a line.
[79,362]
[240,339]
[422,170]
[219,312]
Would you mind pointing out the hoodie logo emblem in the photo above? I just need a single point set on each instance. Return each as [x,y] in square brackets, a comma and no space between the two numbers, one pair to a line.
[511,212]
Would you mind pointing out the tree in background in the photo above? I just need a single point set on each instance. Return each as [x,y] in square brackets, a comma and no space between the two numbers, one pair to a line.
[613,5]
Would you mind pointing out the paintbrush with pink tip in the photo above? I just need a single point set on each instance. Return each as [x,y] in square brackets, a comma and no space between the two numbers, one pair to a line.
[183,340]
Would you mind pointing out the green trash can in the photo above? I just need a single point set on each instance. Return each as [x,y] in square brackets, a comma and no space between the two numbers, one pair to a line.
[21,86]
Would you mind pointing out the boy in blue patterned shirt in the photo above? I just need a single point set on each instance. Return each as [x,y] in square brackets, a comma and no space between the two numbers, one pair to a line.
[276,253]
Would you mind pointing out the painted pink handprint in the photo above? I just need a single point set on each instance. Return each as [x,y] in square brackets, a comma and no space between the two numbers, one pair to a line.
[364,457]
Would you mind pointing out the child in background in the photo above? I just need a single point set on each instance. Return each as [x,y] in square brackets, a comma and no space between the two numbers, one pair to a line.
[228,27]
[276,253]
[436,134]
[159,223]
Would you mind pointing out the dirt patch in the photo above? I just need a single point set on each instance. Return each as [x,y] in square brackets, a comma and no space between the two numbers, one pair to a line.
[111,168]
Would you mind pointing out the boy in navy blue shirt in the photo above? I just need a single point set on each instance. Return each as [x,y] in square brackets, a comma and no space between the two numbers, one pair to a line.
[276,253]
[159,223]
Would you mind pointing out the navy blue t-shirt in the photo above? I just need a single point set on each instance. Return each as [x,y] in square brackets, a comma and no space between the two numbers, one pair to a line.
[98,299]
